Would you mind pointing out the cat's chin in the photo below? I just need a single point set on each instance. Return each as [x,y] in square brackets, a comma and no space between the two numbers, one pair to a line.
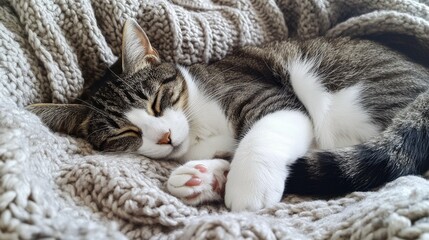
[179,151]
[174,152]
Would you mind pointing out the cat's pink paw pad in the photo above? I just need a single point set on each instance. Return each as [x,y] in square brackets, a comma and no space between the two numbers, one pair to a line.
[199,181]
[201,168]
[194,181]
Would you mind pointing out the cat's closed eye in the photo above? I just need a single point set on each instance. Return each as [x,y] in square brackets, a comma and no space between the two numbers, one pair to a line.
[156,105]
[127,139]
[127,132]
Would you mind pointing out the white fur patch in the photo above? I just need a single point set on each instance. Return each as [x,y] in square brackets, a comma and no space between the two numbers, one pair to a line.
[210,131]
[339,119]
[153,128]
[259,168]
[347,123]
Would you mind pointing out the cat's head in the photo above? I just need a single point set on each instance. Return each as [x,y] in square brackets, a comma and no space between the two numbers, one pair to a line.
[142,110]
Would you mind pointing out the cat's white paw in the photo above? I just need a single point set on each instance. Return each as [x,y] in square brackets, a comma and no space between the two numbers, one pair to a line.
[252,186]
[199,181]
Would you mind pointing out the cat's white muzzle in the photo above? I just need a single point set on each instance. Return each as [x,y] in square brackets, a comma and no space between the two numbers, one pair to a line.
[153,129]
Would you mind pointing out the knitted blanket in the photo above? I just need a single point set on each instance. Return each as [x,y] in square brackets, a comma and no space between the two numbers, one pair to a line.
[57,186]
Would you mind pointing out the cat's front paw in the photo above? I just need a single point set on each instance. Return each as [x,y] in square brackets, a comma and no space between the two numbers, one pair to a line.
[199,181]
[252,186]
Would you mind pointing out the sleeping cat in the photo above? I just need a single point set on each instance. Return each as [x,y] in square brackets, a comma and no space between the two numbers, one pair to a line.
[362,106]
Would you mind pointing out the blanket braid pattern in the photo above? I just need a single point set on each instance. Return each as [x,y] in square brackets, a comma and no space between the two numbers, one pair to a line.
[57,187]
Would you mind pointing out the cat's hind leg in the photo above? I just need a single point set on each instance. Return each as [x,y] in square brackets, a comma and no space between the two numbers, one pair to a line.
[199,181]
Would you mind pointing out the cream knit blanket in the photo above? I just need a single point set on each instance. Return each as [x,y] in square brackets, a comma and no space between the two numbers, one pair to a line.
[56,186]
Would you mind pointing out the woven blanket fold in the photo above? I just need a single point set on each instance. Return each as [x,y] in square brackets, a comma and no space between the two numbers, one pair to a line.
[56,186]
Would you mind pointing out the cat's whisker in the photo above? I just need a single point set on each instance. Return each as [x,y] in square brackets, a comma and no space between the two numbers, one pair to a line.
[267,65]
[141,88]
[93,108]
[122,80]
[97,131]
[189,114]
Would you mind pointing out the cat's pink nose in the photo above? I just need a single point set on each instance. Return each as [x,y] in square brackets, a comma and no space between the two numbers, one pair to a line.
[165,139]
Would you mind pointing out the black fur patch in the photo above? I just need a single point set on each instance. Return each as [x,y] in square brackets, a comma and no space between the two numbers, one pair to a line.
[373,168]
[416,146]
[329,180]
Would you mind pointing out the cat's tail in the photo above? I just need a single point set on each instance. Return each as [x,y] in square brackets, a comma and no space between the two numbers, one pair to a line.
[402,149]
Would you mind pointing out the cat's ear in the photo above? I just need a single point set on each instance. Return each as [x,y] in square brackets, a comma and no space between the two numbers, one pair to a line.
[66,118]
[137,52]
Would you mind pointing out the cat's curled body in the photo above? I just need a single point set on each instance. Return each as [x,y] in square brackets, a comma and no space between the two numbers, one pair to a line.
[363,104]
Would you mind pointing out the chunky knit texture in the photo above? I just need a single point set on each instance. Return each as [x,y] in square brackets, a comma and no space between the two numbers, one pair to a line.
[56,186]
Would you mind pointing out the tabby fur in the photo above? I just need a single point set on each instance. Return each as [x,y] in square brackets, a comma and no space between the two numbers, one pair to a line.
[253,83]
